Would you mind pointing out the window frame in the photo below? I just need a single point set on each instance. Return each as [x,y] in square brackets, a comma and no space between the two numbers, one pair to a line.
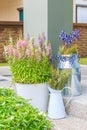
[79,5]
[20,9]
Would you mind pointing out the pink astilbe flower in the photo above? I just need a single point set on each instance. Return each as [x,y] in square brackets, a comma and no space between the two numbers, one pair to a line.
[39,50]
[38,57]
[27,52]
[36,51]
[24,43]
[48,49]
[43,53]
[9,50]
[32,42]
[40,40]
[37,54]
[19,56]
[19,44]
[32,54]
[15,53]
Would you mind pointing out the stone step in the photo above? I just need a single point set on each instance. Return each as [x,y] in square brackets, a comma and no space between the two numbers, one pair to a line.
[5,70]
[83,77]
[84,85]
[77,107]
[83,69]
[70,123]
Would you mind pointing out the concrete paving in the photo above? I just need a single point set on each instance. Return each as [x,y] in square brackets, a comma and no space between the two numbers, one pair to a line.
[5,70]
[70,123]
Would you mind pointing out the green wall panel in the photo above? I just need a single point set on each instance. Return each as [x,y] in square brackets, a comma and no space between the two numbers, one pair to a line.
[60,16]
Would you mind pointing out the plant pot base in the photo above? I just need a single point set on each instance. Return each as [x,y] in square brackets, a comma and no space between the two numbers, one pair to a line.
[37,94]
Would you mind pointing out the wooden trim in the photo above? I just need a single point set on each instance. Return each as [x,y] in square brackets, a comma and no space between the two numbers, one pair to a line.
[19,9]
[76,13]
[81,5]
[80,24]
[11,23]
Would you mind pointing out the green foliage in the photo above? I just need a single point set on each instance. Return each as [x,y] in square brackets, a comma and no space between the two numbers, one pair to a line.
[59,78]
[68,50]
[30,71]
[17,114]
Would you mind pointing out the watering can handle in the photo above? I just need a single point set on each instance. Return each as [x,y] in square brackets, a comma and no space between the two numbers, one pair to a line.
[70,96]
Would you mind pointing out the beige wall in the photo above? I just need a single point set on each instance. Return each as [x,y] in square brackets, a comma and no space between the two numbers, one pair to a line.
[8,10]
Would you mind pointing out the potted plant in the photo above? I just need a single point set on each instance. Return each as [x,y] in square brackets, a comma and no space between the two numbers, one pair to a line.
[30,62]
[57,82]
[68,51]
[69,59]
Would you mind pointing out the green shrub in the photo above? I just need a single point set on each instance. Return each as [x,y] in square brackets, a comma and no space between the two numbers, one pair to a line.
[17,114]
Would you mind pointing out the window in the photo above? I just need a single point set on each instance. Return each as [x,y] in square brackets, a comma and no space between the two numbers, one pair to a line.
[81,12]
[21,14]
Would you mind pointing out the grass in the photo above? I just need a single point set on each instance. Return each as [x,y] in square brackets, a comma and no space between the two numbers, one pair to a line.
[83,61]
[4,64]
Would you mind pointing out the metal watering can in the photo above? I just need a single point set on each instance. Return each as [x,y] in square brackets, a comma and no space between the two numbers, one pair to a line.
[75,78]
[56,108]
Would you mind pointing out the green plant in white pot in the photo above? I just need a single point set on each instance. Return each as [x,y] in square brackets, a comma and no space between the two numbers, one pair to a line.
[30,63]
[57,82]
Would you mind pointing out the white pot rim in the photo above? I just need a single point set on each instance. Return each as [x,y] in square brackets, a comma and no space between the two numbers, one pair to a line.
[32,84]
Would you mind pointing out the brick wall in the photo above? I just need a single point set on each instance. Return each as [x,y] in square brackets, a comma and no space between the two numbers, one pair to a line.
[82,42]
[14,29]
[8,28]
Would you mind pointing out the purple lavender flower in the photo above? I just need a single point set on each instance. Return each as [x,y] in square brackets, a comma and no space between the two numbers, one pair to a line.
[68,39]
[28,36]
[40,40]
[43,36]
[63,35]
[76,34]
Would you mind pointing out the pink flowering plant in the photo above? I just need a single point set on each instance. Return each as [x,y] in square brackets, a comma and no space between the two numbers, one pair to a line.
[30,61]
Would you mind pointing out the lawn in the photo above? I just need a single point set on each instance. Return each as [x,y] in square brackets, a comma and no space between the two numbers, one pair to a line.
[83,61]
[4,64]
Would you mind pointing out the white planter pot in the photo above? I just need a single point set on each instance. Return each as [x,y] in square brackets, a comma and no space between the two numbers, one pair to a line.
[38,93]
[56,109]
